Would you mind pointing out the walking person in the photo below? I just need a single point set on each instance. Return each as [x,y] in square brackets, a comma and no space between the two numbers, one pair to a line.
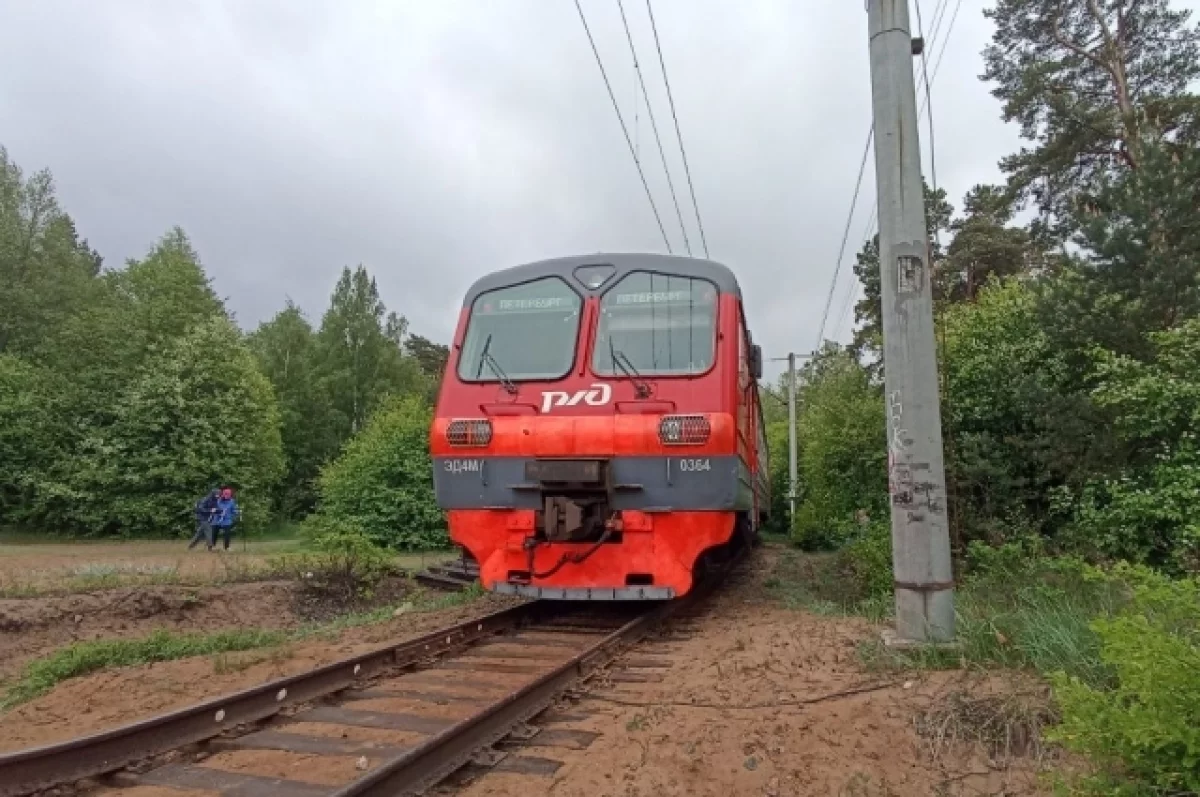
[227,512]
[205,509]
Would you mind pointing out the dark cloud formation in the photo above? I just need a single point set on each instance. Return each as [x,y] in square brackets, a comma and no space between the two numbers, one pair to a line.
[436,141]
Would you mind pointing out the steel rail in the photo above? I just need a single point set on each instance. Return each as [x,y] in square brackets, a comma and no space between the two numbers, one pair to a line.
[30,770]
[416,770]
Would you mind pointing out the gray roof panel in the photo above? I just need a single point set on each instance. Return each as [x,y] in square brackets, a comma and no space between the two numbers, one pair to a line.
[564,267]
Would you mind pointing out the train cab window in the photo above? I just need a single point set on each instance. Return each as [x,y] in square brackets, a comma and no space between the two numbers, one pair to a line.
[656,324]
[522,332]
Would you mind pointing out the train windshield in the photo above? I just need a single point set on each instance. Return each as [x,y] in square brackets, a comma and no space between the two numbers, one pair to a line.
[656,324]
[523,332]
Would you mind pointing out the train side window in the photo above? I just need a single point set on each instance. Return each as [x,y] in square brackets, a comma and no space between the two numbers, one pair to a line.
[661,324]
[525,331]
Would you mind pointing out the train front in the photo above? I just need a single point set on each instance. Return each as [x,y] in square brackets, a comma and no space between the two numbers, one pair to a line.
[585,443]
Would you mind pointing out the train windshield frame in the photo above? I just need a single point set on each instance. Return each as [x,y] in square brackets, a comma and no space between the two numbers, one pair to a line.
[524,332]
[656,324]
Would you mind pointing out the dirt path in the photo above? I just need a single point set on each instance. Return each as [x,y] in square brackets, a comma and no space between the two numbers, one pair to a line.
[756,699]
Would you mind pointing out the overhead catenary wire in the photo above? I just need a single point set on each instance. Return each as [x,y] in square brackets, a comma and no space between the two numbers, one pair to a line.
[675,118]
[927,79]
[939,13]
[929,106]
[632,151]
[637,67]
[851,287]
[845,236]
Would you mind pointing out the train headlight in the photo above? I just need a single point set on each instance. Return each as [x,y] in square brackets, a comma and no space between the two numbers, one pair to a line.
[469,432]
[684,430]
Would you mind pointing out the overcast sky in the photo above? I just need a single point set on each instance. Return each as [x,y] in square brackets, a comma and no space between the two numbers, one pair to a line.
[436,141]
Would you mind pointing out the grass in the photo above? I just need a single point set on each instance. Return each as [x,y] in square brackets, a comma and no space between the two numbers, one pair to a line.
[1037,618]
[820,583]
[82,658]
[1026,613]
[111,564]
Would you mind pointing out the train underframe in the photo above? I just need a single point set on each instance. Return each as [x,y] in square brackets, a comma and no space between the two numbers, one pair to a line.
[577,548]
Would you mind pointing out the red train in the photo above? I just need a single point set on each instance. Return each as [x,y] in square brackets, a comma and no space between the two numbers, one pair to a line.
[598,434]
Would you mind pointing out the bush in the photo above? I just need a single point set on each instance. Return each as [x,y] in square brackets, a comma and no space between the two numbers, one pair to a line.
[868,560]
[856,578]
[843,459]
[382,484]
[346,567]
[1145,729]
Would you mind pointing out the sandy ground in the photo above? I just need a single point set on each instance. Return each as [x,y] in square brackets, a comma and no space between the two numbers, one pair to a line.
[117,697]
[763,700]
[33,627]
[746,698]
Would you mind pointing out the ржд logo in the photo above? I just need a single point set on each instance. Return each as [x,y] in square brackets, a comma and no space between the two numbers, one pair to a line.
[597,396]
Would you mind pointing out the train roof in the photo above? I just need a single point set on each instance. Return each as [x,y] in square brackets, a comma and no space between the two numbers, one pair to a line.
[715,272]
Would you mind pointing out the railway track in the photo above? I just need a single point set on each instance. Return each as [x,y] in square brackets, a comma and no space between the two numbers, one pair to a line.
[394,721]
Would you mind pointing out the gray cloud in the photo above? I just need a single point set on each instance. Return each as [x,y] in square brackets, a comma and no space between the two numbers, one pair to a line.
[437,141]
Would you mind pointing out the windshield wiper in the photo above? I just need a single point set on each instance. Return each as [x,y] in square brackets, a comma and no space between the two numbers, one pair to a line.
[640,386]
[486,358]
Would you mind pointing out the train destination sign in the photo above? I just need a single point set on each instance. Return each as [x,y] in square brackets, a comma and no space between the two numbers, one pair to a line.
[532,304]
[664,297]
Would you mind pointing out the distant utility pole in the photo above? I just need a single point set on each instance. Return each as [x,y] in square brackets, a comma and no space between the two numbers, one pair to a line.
[916,478]
[793,477]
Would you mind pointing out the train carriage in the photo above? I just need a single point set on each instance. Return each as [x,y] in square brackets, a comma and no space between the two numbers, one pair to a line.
[598,433]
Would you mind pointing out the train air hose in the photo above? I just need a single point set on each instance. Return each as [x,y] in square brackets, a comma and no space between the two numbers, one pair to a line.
[568,558]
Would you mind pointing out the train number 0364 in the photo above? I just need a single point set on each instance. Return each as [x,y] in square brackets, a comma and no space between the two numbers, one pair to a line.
[694,465]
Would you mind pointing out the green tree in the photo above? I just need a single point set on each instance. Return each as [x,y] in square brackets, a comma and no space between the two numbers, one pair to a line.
[361,362]
[1149,509]
[44,269]
[984,246]
[1139,268]
[128,314]
[195,414]
[382,484]
[430,356]
[286,349]
[1013,433]
[843,456]
[1090,82]
[31,433]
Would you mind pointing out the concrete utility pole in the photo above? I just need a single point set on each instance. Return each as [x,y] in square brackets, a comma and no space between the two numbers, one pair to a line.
[792,438]
[793,477]
[916,478]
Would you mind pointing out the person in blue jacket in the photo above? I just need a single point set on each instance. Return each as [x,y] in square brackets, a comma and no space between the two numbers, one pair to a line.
[205,508]
[227,512]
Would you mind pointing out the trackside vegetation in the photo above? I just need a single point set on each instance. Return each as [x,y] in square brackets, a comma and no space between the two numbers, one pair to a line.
[1068,351]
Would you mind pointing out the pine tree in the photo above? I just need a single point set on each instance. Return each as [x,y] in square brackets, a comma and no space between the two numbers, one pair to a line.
[432,357]
[361,357]
[984,246]
[1138,271]
[1090,82]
